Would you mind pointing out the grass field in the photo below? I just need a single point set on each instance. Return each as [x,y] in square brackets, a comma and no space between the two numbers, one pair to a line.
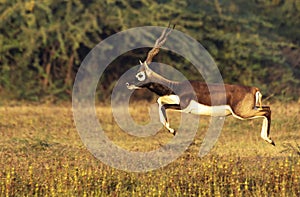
[42,155]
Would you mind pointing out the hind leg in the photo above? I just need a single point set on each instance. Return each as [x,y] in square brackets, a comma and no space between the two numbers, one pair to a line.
[265,130]
[265,113]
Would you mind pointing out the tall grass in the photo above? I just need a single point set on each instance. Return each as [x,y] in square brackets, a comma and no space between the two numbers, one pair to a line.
[42,155]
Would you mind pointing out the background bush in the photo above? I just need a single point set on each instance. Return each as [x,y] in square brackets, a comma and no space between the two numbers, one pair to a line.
[42,43]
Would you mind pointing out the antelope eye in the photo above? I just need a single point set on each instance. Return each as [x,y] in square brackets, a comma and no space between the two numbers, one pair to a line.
[141,76]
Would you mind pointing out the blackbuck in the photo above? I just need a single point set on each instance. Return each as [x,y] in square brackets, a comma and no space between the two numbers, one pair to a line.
[242,102]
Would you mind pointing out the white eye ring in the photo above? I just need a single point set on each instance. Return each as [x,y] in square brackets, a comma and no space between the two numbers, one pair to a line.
[141,76]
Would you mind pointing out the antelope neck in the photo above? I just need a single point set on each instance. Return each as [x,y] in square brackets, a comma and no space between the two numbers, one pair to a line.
[162,86]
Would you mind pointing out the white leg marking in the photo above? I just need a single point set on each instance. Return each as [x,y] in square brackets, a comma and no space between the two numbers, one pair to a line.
[264,131]
[170,99]
[163,120]
[169,128]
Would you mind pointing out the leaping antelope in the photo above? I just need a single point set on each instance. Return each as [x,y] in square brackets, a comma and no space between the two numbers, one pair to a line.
[242,102]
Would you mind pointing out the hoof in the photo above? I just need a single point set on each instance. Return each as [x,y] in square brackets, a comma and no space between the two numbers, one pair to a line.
[173,132]
[273,143]
[269,140]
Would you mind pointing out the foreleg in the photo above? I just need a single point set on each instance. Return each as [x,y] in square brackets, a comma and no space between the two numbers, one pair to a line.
[163,118]
[165,102]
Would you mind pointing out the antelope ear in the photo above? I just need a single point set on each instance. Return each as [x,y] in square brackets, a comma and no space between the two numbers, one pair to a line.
[147,69]
[146,65]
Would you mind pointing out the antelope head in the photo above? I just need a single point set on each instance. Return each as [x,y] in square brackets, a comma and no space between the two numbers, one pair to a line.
[142,77]
[145,75]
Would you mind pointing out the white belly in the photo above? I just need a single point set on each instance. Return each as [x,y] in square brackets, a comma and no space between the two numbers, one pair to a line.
[200,109]
[197,108]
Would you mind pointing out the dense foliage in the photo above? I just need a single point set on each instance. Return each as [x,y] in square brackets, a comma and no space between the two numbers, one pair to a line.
[42,43]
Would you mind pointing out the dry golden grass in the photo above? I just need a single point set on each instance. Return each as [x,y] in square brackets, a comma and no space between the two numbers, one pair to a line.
[42,155]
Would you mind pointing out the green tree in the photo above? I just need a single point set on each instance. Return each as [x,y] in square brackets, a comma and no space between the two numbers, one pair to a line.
[42,43]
